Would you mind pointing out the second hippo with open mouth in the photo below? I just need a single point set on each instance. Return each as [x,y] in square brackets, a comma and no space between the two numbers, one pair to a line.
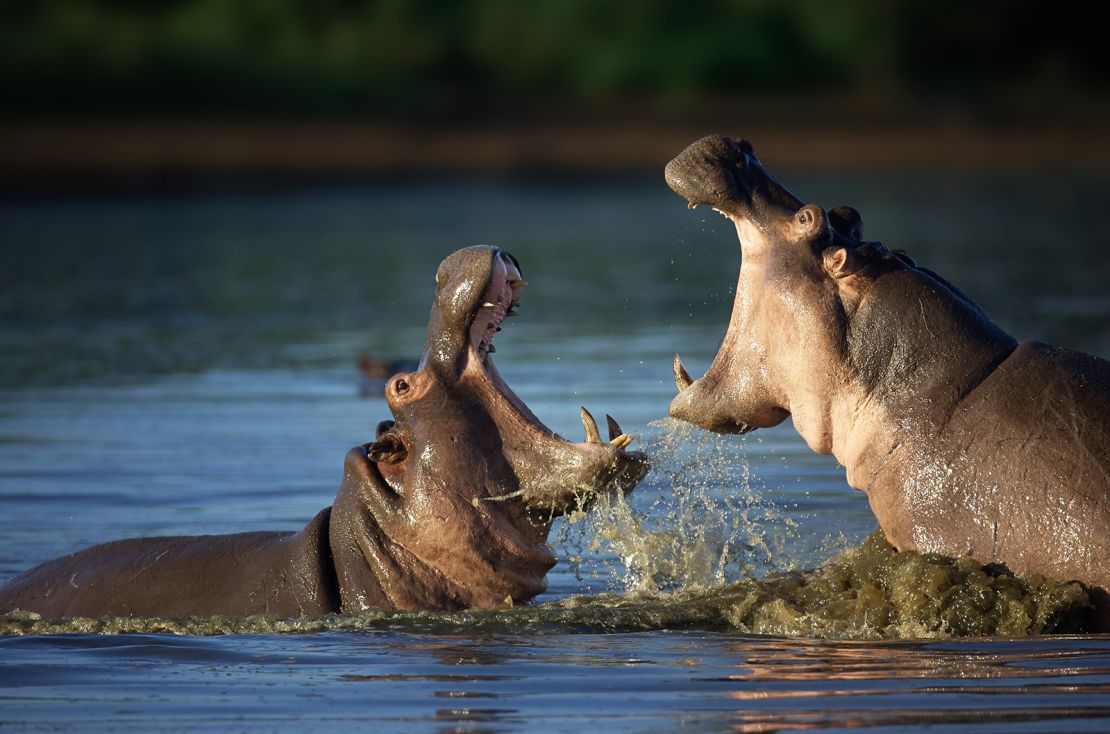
[449,508]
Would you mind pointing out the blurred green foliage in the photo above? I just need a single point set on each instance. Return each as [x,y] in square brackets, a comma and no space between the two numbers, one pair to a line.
[402,56]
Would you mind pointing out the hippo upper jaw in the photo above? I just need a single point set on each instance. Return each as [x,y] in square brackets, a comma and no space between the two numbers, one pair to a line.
[725,173]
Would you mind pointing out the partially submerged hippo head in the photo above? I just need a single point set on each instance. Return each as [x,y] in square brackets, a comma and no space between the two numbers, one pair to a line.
[804,274]
[464,483]
[786,250]
[449,507]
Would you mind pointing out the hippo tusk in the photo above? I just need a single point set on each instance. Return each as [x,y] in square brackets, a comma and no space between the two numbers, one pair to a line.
[517,283]
[614,427]
[681,376]
[588,422]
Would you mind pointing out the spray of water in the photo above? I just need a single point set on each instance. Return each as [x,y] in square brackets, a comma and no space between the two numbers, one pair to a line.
[701,519]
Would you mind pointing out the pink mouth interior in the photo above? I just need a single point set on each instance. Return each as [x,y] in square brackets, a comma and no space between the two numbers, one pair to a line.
[501,296]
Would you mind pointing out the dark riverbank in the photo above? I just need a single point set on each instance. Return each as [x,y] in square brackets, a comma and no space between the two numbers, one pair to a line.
[47,158]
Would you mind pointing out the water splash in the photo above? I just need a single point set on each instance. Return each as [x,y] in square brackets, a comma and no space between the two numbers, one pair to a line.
[871,592]
[700,520]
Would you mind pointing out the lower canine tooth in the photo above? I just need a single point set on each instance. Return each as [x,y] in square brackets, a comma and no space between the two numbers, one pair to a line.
[614,427]
[681,376]
[588,422]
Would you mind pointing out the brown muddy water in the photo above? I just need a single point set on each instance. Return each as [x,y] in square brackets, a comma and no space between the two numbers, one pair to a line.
[182,366]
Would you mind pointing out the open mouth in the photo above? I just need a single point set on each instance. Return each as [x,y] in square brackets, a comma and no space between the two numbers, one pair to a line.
[499,302]
[501,298]
[457,374]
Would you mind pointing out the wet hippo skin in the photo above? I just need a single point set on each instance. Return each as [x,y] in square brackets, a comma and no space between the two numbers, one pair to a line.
[448,508]
[965,441]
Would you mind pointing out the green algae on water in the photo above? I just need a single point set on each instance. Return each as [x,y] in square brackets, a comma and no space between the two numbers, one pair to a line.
[874,592]
[869,592]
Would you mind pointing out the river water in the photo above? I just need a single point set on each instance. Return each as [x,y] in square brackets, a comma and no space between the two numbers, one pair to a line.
[187,366]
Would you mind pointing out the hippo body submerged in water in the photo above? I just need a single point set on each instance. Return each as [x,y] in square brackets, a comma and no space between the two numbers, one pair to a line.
[448,509]
[965,441]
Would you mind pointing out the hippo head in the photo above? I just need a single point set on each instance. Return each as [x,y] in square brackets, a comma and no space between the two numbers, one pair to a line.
[460,489]
[788,332]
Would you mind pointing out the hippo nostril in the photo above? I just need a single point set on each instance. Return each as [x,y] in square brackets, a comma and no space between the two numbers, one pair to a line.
[383,428]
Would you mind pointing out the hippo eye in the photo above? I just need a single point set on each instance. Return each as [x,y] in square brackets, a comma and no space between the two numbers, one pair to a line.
[401,385]
[805,217]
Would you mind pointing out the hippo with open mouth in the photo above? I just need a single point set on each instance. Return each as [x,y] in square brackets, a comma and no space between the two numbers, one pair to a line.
[965,441]
[449,508]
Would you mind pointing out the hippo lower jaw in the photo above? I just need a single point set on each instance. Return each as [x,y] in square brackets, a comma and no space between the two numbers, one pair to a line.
[585,468]
[711,405]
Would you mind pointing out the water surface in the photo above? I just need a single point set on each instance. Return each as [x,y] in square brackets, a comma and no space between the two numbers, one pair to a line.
[180,366]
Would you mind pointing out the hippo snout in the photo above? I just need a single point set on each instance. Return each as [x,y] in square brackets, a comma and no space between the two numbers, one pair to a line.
[723,400]
[726,174]
[697,405]
[706,171]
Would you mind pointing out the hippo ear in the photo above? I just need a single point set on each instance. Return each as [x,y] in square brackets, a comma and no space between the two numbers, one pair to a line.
[809,223]
[835,261]
[840,262]
[847,222]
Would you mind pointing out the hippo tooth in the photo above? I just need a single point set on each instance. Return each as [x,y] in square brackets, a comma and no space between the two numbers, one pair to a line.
[614,427]
[621,441]
[681,376]
[487,304]
[588,422]
[691,205]
[517,283]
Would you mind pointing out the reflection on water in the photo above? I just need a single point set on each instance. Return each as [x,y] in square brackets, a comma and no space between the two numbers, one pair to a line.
[551,682]
[189,366]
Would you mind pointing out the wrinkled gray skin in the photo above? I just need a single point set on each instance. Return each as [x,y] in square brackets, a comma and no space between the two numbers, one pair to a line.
[965,441]
[448,509]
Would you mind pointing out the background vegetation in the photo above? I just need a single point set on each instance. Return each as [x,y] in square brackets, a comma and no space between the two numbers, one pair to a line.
[494,57]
